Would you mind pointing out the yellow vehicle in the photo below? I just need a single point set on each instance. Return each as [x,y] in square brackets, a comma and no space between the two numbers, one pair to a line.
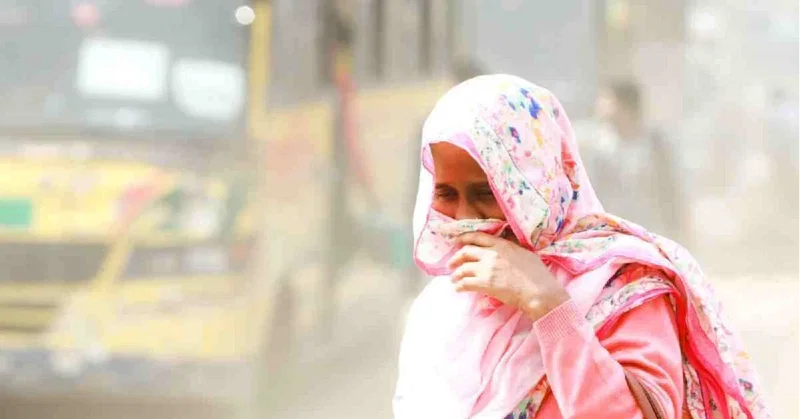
[146,154]
[127,218]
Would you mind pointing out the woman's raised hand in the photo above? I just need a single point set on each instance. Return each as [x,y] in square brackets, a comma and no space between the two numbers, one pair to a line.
[507,272]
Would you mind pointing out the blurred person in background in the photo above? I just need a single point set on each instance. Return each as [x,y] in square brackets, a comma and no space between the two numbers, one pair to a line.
[543,304]
[632,166]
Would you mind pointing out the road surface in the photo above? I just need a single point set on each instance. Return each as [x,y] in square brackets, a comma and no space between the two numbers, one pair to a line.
[359,381]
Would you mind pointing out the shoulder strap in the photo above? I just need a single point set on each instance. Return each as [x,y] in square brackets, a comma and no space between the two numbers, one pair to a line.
[650,408]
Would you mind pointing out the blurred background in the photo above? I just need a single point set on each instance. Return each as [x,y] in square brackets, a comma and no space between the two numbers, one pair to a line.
[206,204]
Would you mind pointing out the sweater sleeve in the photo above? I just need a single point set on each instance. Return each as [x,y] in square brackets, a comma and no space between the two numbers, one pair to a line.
[587,374]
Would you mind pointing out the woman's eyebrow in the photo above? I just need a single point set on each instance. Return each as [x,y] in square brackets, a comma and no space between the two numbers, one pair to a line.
[479,185]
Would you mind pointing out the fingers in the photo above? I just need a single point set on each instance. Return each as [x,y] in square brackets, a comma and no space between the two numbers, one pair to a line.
[466,270]
[466,254]
[479,239]
[471,284]
[470,276]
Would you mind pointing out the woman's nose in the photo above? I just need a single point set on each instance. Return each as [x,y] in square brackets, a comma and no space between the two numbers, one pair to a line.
[467,211]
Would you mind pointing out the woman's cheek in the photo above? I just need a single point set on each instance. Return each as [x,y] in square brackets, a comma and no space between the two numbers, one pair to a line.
[493,210]
[444,207]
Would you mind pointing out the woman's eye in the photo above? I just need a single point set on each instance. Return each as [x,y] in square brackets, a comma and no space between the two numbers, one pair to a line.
[485,195]
[445,195]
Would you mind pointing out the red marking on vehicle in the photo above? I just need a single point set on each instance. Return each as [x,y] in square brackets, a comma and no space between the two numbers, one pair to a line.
[135,199]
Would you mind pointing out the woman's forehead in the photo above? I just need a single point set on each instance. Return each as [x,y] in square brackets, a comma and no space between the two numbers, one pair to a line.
[450,160]
[447,150]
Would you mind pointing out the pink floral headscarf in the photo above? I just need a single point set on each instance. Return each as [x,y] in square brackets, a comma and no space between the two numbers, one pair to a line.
[462,358]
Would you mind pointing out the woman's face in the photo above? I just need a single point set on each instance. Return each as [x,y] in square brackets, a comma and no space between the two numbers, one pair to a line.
[462,190]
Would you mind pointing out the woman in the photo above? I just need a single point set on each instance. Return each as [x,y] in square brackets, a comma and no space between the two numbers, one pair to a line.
[542,304]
